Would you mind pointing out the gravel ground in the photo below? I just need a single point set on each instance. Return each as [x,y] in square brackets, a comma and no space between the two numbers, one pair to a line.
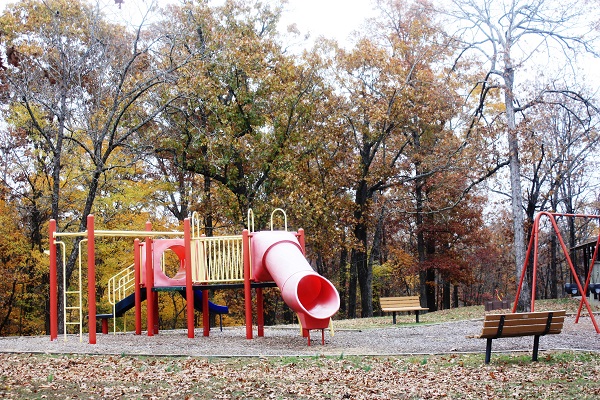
[451,337]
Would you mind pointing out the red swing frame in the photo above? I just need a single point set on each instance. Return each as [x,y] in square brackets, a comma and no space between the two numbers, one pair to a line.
[533,245]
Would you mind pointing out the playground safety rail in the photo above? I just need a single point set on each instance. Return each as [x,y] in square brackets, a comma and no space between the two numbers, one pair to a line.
[120,286]
[217,259]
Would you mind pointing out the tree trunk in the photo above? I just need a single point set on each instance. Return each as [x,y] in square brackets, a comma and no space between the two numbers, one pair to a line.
[352,292]
[455,296]
[446,299]
[515,186]
[364,271]
[343,280]
[365,282]
[423,292]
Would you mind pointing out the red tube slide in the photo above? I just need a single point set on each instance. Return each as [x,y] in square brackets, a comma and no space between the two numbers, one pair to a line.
[277,256]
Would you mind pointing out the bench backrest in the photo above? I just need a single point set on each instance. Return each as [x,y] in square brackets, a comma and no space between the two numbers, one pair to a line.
[395,302]
[522,324]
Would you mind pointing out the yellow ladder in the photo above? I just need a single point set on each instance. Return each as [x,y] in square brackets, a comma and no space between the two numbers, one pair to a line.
[73,314]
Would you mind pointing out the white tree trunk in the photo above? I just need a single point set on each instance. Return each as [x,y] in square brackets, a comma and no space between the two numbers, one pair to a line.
[519,246]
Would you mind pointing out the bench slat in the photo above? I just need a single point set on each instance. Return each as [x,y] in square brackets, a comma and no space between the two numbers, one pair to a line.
[521,330]
[525,316]
[397,303]
[401,304]
[523,321]
[400,309]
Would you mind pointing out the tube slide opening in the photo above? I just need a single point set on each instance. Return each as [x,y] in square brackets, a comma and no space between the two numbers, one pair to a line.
[318,296]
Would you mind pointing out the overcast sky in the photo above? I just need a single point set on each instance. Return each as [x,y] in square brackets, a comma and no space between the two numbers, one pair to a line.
[331,18]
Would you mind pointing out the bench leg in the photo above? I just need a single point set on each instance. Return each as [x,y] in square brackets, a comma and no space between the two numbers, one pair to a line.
[536,346]
[488,351]
[394,316]
[417,315]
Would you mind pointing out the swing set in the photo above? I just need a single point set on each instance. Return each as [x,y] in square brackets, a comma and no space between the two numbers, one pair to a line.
[533,246]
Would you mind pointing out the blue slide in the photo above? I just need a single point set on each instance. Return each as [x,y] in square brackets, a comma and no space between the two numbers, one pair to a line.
[212,307]
[129,302]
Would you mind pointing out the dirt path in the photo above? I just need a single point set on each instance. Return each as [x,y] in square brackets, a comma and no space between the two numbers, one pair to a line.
[284,341]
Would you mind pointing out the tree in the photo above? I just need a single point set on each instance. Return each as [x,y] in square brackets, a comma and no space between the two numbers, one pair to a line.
[557,141]
[508,36]
[243,107]
[82,87]
[400,116]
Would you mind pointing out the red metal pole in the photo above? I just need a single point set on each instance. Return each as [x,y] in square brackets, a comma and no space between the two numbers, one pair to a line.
[301,240]
[149,284]
[260,312]
[247,286]
[156,315]
[91,280]
[205,313]
[137,266]
[53,282]
[520,285]
[589,277]
[536,240]
[570,262]
[189,290]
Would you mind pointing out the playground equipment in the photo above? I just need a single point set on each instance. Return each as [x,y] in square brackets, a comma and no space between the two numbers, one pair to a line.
[122,288]
[310,295]
[534,244]
[252,260]
[584,252]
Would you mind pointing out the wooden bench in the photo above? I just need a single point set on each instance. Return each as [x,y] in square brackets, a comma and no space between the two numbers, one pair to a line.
[534,324]
[401,304]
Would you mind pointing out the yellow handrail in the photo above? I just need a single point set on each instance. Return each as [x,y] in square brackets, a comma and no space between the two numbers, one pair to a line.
[102,233]
[120,286]
[250,220]
[284,217]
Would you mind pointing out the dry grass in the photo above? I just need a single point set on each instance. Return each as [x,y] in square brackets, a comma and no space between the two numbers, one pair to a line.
[558,375]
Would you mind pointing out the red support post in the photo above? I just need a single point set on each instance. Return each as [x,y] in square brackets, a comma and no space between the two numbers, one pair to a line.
[260,312]
[300,236]
[518,294]
[104,326]
[189,290]
[247,286]
[149,284]
[91,280]
[205,313]
[156,314]
[536,236]
[137,265]
[53,282]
